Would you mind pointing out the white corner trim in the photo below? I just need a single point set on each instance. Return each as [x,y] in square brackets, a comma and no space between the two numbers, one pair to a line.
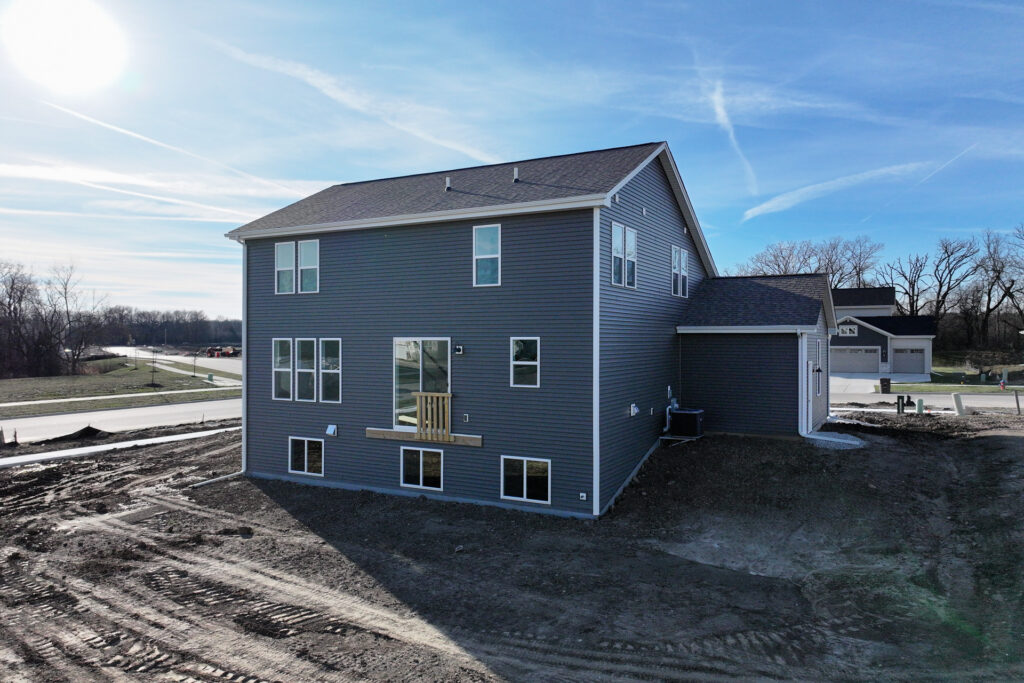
[745,329]
[245,348]
[544,205]
[595,409]
[802,398]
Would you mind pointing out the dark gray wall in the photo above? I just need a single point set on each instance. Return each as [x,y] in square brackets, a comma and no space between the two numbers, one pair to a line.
[744,382]
[865,337]
[639,350]
[417,281]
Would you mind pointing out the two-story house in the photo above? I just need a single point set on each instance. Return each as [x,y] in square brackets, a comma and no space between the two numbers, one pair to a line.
[873,339]
[510,334]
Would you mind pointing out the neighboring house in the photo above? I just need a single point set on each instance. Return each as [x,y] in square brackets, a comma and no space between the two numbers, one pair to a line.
[873,339]
[510,334]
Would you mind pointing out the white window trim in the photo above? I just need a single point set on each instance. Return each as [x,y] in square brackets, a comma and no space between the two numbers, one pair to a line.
[626,260]
[323,456]
[294,267]
[401,468]
[476,257]
[321,372]
[274,369]
[297,371]
[817,375]
[848,326]
[512,363]
[524,499]
[394,377]
[612,255]
[684,273]
[298,268]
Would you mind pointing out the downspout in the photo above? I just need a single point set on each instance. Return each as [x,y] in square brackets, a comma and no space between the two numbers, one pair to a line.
[802,398]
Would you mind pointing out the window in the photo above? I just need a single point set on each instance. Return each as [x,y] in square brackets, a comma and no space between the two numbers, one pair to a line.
[525,362]
[847,330]
[623,256]
[306,456]
[422,468]
[330,370]
[305,369]
[680,266]
[818,371]
[420,365]
[284,267]
[309,266]
[282,369]
[525,479]
[486,255]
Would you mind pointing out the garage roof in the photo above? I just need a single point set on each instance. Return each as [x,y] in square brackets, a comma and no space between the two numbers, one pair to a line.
[759,301]
[901,325]
[864,296]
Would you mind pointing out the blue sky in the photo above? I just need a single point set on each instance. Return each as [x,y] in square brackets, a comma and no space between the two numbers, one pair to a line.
[900,121]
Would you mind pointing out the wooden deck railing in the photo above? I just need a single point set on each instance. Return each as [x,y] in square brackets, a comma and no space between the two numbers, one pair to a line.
[433,416]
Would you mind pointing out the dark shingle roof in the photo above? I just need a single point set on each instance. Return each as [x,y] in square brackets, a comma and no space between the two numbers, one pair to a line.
[900,325]
[758,300]
[864,296]
[548,178]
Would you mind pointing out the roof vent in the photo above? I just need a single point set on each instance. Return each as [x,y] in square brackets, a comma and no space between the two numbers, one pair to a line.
[515,174]
[447,183]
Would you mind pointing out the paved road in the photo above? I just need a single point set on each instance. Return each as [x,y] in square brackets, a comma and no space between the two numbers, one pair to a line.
[49,426]
[224,364]
[1002,400]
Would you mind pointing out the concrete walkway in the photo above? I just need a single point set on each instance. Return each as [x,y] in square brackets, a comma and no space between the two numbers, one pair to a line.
[49,426]
[218,381]
[110,396]
[1000,400]
[32,458]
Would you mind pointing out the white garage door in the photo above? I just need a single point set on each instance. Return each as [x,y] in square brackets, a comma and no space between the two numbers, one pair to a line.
[908,360]
[853,360]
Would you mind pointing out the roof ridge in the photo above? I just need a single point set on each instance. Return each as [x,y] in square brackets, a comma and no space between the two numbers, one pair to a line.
[500,163]
[736,277]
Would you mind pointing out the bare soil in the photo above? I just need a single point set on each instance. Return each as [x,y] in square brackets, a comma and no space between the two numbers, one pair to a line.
[730,557]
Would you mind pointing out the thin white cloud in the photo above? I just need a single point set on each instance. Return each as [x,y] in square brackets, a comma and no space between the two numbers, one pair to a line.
[788,200]
[929,176]
[72,174]
[397,115]
[6,211]
[169,200]
[717,99]
[179,150]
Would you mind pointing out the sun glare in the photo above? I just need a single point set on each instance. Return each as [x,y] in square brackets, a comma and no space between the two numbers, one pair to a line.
[69,46]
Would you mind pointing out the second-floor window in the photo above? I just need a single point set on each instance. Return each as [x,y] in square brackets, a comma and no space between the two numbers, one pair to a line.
[309,266]
[284,268]
[623,256]
[486,255]
[680,284]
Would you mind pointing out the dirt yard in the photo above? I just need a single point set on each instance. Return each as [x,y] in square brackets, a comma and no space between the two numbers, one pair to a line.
[729,557]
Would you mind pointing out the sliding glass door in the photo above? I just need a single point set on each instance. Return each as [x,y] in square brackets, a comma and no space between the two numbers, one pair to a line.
[421,364]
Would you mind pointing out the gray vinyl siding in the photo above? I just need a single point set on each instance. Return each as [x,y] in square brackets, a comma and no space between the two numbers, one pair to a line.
[745,383]
[865,337]
[417,281]
[638,345]
[819,404]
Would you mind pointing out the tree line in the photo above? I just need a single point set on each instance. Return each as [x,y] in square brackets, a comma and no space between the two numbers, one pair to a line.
[974,288]
[49,326]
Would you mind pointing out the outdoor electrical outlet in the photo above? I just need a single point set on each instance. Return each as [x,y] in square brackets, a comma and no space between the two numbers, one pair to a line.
[583,496]
[465,417]
[634,409]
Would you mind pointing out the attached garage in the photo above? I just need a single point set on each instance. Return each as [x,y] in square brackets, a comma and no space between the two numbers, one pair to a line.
[909,360]
[852,359]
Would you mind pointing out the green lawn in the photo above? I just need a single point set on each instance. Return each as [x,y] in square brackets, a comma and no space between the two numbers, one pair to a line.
[200,370]
[111,403]
[123,380]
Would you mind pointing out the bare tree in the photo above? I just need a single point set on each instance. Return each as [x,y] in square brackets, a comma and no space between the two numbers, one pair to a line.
[781,258]
[911,281]
[954,264]
[861,257]
[830,258]
[73,320]
[995,279]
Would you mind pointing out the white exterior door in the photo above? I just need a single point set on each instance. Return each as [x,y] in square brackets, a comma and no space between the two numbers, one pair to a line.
[853,359]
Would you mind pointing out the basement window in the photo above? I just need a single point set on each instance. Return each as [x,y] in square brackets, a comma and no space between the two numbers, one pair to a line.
[306,456]
[526,479]
[422,468]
